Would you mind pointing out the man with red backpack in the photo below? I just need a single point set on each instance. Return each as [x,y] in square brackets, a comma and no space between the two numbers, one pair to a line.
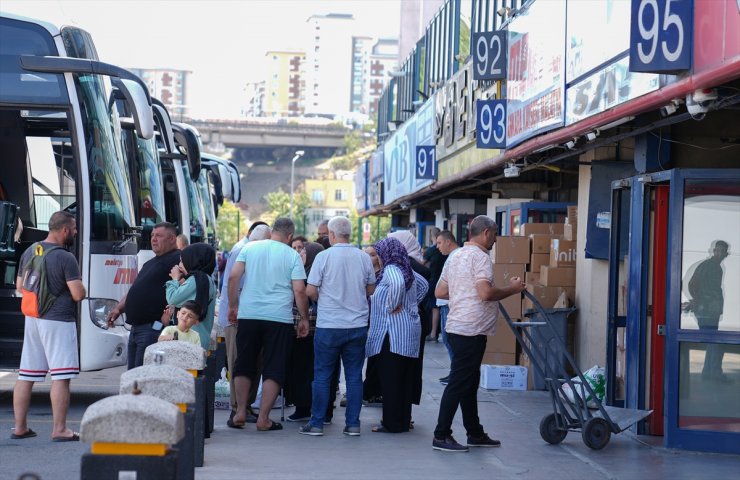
[49,277]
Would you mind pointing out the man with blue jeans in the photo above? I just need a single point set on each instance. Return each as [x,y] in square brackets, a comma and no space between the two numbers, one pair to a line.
[340,280]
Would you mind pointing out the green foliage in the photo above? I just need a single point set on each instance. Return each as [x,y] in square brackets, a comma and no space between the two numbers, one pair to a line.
[231,225]
[278,205]
[379,228]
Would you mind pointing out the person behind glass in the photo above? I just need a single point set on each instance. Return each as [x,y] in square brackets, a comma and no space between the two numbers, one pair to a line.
[191,280]
[372,393]
[146,301]
[707,303]
[187,317]
[257,231]
[467,282]
[395,333]
[300,371]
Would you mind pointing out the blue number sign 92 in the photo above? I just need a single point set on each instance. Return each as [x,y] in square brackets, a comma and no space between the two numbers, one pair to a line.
[490,123]
[426,163]
[490,55]
[661,35]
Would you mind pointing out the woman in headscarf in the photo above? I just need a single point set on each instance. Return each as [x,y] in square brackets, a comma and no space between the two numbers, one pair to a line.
[395,332]
[300,369]
[413,249]
[191,280]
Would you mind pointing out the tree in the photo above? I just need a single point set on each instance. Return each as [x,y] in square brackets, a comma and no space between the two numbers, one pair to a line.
[231,225]
[278,205]
[379,228]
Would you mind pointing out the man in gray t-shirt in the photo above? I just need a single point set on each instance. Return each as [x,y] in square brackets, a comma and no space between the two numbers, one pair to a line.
[341,278]
[50,343]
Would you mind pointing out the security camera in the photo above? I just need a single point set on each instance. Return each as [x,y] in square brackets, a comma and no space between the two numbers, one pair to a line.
[700,101]
[591,136]
[570,144]
[667,110]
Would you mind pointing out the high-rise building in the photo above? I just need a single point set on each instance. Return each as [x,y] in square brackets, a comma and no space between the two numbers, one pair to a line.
[415,17]
[169,85]
[371,60]
[254,98]
[328,68]
[284,85]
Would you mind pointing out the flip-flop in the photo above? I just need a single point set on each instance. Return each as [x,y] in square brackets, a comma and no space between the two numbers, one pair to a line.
[231,424]
[74,438]
[29,434]
[275,426]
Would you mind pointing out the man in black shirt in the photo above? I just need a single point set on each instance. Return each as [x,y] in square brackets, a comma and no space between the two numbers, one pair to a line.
[145,301]
[434,260]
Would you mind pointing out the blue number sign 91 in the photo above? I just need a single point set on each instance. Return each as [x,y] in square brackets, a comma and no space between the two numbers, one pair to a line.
[490,123]
[661,35]
[426,163]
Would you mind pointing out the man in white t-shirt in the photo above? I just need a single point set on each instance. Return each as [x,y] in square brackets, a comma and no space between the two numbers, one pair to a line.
[467,281]
[340,281]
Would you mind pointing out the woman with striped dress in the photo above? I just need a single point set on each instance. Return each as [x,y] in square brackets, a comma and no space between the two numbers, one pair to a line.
[395,332]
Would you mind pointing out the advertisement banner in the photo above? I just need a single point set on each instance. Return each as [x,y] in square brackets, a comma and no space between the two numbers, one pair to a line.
[536,80]
[376,166]
[716,33]
[399,153]
[597,33]
[605,89]
[361,186]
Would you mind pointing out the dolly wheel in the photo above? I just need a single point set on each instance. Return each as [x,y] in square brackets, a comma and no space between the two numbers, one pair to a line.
[549,430]
[596,433]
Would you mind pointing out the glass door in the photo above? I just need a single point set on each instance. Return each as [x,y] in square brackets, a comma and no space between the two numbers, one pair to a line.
[703,312]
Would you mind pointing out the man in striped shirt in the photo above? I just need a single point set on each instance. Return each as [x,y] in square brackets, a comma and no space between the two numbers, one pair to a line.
[467,281]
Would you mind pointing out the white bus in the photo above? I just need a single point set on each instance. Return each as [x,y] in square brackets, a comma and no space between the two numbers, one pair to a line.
[61,144]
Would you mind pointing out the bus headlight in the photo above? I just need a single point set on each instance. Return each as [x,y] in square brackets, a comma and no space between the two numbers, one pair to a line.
[99,310]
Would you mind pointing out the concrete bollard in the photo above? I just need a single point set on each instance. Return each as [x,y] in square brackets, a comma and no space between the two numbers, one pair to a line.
[131,435]
[193,359]
[177,386]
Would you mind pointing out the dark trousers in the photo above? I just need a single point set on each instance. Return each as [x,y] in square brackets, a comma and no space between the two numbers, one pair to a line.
[396,379]
[462,388]
[300,377]
[141,336]
[371,386]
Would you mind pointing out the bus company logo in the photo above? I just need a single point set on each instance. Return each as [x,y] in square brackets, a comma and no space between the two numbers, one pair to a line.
[125,276]
[114,261]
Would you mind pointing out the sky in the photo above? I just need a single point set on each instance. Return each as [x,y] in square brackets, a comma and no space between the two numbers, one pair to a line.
[222,42]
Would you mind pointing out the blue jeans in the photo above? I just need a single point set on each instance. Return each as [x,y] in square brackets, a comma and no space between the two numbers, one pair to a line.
[140,337]
[329,345]
[443,311]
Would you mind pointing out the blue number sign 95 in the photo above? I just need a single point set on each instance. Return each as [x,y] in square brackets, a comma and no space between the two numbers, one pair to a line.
[661,35]
[491,123]
[426,163]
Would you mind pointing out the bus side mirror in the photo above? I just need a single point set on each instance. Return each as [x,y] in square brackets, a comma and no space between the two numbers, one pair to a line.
[138,104]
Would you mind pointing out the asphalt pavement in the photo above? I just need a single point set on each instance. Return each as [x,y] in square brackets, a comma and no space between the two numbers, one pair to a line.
[510,416]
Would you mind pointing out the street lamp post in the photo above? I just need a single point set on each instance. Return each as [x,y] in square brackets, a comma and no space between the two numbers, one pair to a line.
[298,154]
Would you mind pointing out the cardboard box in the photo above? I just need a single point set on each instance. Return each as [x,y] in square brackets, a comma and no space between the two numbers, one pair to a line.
[541,228]
[498,358]
[537,260]
[572,217]
[502,273]
[525,362]
[563,253]
[503,377]
[503,341]
[541,242]
[547,296]
[511,250]
[558,277]
[532,277]
[570,232]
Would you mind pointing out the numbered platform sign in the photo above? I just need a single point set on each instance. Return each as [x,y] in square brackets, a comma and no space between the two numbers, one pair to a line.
[490,55]
[426,163]
[491,123]
[661,35]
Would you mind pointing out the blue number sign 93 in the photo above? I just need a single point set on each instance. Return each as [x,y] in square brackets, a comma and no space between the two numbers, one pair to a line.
[426,163]
[661,35]
[491,123]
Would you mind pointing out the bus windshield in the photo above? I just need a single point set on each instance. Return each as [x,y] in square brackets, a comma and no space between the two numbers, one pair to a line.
[151,190]
[111,202]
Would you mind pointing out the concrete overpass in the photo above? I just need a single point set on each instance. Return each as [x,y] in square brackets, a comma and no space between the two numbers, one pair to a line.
[269,133]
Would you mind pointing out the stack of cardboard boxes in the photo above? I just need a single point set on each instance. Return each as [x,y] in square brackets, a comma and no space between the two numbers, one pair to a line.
[545,257]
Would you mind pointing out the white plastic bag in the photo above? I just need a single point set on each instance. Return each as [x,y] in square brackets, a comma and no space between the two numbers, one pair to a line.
[222,400]
[596,379]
